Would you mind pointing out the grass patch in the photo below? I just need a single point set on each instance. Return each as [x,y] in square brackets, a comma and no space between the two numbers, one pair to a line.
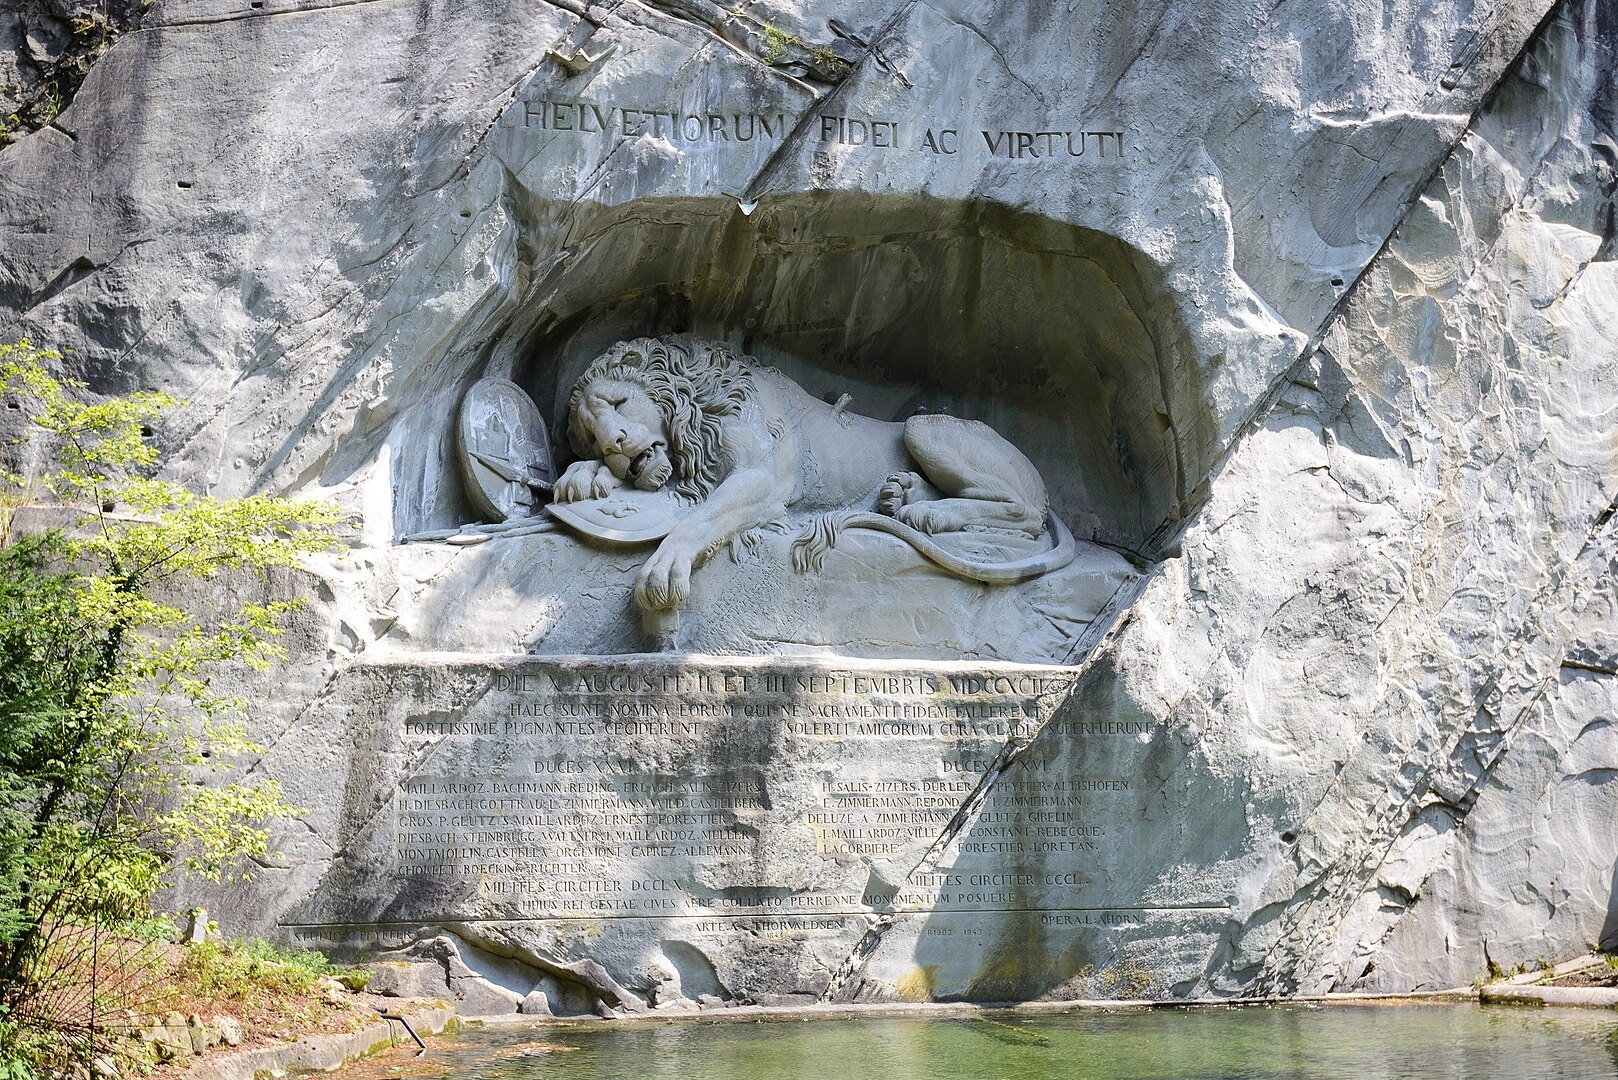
[273,991]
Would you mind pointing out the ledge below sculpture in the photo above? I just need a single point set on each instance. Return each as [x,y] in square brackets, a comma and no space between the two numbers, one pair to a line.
[505,595]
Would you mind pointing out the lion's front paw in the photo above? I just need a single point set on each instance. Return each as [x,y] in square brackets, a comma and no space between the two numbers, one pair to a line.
[896,492]
[575,482]
[585,480]
[665,581]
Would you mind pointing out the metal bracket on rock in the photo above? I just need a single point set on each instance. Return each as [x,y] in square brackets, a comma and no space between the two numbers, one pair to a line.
[575,59]
[873,51]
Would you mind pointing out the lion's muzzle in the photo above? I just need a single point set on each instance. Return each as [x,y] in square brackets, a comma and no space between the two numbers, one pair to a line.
[651,468]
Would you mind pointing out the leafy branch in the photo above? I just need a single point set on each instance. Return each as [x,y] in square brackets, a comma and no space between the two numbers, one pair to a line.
[114,744]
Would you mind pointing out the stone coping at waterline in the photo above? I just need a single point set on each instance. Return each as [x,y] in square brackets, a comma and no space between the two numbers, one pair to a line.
[1588,997]
[877,1010]
[320,1053]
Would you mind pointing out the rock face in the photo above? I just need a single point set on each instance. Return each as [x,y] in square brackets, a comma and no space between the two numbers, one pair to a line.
[46,48]
[1306,317]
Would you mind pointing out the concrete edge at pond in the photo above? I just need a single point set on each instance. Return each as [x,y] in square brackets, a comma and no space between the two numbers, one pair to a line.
[1499,992]
[1589,997]
[872,1010]
[326,1053]
[319,1053]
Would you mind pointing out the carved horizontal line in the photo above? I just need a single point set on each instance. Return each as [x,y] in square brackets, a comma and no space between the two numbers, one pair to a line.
[303,8]
[452,920]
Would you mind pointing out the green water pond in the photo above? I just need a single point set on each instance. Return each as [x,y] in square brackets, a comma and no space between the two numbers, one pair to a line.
[1359,1041]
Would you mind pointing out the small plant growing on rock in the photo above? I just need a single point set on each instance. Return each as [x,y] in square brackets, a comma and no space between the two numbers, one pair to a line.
[779,45]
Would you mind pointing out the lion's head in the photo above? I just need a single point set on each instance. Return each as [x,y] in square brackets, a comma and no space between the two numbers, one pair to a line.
[694,385]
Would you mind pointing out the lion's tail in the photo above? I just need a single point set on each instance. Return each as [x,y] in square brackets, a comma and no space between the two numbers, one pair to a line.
[809,549]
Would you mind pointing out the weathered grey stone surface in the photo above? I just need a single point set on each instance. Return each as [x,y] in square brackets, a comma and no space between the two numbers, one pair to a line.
[408,979]
[1319,331]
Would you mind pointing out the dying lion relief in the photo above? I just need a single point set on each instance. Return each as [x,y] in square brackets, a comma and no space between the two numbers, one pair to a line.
[684,443]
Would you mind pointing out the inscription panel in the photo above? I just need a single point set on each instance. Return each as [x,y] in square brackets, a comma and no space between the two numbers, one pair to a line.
[601,790]
[961,813]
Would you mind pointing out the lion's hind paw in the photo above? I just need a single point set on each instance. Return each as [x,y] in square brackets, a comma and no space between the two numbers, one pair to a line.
[895,492]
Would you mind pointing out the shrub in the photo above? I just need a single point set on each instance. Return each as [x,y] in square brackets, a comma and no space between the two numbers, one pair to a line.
[112,741]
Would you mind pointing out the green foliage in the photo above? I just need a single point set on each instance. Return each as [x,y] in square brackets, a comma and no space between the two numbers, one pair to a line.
[113,742]
[18,1051]
[780,45]
[356,979]
[214,969]
[777,46]
[263,985]
[153,930]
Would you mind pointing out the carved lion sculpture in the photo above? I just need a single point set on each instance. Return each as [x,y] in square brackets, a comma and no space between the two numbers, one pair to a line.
[747,447]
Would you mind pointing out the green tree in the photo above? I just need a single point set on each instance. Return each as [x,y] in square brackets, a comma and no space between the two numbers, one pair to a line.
[112,738]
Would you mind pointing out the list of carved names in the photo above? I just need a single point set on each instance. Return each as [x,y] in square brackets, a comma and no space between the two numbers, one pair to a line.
[667,791]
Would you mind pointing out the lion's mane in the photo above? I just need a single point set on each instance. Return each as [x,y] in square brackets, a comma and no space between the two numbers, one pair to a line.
[695,385]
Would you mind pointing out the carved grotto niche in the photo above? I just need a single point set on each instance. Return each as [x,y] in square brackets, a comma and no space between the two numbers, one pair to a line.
[686,449]
[897,309]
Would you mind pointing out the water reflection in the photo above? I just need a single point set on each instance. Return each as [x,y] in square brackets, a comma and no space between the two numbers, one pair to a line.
[1363,1041]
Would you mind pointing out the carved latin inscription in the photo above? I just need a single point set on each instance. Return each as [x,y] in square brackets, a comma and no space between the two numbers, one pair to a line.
[721,126]
[590,118]
[606,790]
[724,802]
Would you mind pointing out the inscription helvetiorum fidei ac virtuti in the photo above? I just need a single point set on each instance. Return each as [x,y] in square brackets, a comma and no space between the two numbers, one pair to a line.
[920,501]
